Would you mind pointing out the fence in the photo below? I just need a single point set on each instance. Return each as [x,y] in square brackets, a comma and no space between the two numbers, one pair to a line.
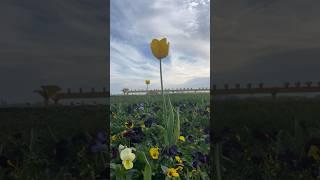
[237,89]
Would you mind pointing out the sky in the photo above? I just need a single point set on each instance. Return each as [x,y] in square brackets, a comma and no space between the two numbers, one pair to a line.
[185,24]
[269,41]
[62,43]
[65,43]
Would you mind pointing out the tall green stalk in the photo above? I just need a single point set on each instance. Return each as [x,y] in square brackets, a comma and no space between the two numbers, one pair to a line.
[161,77]
[217,161]
[164,107]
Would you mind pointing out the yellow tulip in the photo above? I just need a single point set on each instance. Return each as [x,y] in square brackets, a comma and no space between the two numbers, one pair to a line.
[160,49]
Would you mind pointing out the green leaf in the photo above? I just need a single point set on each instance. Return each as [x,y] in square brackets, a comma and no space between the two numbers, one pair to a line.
[147,174]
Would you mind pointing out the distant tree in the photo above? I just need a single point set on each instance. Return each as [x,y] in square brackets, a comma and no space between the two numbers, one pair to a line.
[49,92]
[125,91]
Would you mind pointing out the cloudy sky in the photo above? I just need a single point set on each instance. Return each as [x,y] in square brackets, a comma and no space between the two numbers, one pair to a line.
[270,41]
[65,43]
[51,42]
[186,25]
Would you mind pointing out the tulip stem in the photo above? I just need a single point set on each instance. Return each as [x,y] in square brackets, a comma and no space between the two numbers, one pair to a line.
[161,78]
[164,112]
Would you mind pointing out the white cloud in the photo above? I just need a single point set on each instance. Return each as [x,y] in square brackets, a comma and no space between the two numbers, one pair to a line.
[132,29]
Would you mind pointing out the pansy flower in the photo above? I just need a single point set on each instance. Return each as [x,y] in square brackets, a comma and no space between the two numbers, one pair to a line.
[127,157]
[178,159]
[182,138]
[172,172]
[154,153]
[129,124]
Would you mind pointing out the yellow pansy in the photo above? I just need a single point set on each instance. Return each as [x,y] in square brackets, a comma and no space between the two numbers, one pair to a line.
[154,153]
[114,138]
[182,138]
[160,49]
[178,159]
[129,124]
[127,158]
[172,172]
[314,152]
[179,168]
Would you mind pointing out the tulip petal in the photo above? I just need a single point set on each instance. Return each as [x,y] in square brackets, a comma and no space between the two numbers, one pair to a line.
[164,48]
[155,48]
[160,49]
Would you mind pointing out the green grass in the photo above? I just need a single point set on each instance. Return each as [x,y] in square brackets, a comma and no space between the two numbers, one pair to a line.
[258,138]
[63,121]
[175,98]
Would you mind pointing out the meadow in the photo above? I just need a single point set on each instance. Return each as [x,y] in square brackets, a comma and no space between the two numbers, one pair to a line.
[53,143]
[138,124]
[251,139]
[268,139]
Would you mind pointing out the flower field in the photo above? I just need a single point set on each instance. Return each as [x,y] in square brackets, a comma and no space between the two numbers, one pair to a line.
[141,148]
[268,139]
[160,137]
[257,139]
[53,143]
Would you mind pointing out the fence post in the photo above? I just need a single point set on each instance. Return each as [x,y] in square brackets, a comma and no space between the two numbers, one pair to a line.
[309,83]
[261,85]
[286,85]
